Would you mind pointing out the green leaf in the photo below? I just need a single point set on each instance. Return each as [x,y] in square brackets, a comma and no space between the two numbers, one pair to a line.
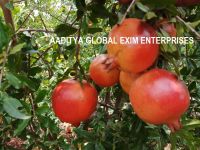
[84,134]
[89,146]
[3,35]
[21,126]
[99,11]
[41,95]
[192,124]
[17,48]
[43,109]
[150,15]
[64,30]
[99,146]
[28,82]
[185,71]
[192,86]
[94,30]
[142,7]
[196,72]
[194,24]
[13,80]
[11,106]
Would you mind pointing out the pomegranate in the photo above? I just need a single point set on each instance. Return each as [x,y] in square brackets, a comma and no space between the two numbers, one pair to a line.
[126,79]
[103,71]
[133,57]
[158,97]
[74,102]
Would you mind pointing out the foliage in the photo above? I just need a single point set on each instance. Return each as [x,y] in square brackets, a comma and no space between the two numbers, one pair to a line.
[33,67]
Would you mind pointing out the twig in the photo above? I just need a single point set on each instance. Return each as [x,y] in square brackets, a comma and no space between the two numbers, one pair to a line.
[8,18]
[118,100]
[4,60]
[68,13]
[50,72]
[189,26]
[41,55]
[43,22]
[24,21]
[36,30]
[78,49]
[74,22]
[127,11]
[55,17]
[32,104]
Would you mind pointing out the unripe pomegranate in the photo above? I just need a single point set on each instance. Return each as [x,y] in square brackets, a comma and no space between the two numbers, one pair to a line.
[130,56]
[74,102]
[126,79]
[187,2]
[103,71]
[167,26]
[158,97]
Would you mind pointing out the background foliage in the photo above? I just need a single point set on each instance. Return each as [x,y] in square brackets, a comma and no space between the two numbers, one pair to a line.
[31,67]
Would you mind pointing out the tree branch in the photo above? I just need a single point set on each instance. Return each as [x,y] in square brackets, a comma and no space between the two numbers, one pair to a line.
[127,11]
[188,26]
[4,60]
[36,30]
[40,56]
[8,18]
[25,20]
[7,13]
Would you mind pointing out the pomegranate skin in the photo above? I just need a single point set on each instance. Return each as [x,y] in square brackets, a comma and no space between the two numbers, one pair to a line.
[132,57]
[126,79]
[158,97]
[103,71]
[73,102]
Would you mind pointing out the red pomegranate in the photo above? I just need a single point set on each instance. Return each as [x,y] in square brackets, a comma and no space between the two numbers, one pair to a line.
[74,102]
[158,97]
[126,79]
[133,57]
[103,71]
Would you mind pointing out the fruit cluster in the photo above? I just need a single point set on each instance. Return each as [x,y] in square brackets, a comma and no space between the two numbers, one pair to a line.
[157,95]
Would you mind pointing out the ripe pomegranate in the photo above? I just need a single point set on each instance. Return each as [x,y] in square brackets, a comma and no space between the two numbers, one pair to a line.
[158,97]
[103,71]
[133,57]
[167,26]
[126,79]
[74,102]
[187,2]
[124,1]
